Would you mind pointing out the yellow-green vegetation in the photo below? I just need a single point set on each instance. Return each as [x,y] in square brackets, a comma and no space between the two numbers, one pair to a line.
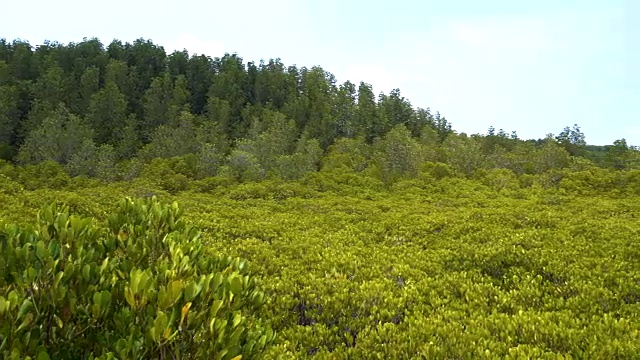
[143,286]
[496,266]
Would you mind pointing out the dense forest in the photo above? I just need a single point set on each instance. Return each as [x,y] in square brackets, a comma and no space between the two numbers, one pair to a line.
[181,206]
[106,112]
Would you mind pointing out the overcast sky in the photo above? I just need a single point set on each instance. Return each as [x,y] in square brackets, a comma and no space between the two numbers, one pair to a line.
[529,66]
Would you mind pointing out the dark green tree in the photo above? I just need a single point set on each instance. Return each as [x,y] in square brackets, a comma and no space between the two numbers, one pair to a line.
[9,121]
[367,112]
[89,85]
[344,110]
[572,140]
[107,113]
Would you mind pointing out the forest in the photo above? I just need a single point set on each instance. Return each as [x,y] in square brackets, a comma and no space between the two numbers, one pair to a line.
[177,205]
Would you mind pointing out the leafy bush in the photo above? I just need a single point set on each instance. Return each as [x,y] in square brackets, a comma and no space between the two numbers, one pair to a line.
[141,286]
[47,174]
[9,186]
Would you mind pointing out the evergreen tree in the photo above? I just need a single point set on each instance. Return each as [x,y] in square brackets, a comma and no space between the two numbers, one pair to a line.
[107,113]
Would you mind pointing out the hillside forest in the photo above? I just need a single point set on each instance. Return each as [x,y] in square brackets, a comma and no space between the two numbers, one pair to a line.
[177,205]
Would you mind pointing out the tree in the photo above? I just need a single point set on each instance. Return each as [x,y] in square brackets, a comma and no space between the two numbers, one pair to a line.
[51,87]
[271,136]
[179,98]
[464,154]
[107,113]
[304,160]
[443,127]
[89,85]
[170,140]
[319,90]
[399,154]
[177,63]
[367,112]
[156,106]
[128,140]
[619,154]
[572,140]
[551,156]
[20,61]
[228,84]
[58,138]
[94,161]
[350,154]
[199,79]
[9,121]
[344,110]
[126,78]
[273,87]
[213,146]
[48,92]
[218,111]
[417,122]
[244,166]
[396,108]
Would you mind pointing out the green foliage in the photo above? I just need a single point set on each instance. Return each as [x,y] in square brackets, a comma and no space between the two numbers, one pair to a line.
[170,174]
[143,286]
[464,154]
[9,186]
[97,162]
[439,269]
[9,120]
[499,179]
[107,113]
[144,103]
[352,154]
[271,137]
[243,166]
[399,154]
[572,140]
[436,266]
[170,141]
[47,174]
[551,156]
[58,138]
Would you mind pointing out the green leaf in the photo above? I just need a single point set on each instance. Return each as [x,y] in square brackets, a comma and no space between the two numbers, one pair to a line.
[26,306]
[217,281]
[4,305]
[191,291]
[215,307]
[237,318]
[97,298]
[13,298]
[159,326]
[56,280]
[31,274]
[174,290]
[58,321]
[40,250]
[105,299]
[26,321]
[235,283]
[86,272]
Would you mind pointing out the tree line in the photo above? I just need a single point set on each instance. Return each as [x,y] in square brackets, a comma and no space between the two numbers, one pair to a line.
[111,111]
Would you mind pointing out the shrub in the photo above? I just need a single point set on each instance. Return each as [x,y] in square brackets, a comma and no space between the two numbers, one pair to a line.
[142,286]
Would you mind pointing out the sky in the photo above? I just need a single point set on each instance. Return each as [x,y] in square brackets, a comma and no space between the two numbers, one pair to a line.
[533,67]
